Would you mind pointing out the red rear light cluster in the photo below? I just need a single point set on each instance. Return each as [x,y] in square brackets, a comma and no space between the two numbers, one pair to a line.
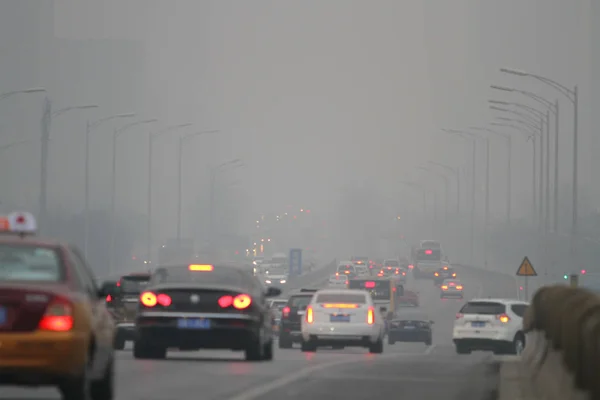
[58,316]
[371,316]
[459,315]
[503,318]
[108,298]
[150,299]
[309,315]
[240,302]
[285,312]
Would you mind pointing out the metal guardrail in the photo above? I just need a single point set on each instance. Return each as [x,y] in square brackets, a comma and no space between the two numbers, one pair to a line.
[562,352]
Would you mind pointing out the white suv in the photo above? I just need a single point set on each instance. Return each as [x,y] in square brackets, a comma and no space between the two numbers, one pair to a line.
[490,324]
[341,318]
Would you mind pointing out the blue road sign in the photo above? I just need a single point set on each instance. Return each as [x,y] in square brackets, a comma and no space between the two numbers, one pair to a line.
[295,262]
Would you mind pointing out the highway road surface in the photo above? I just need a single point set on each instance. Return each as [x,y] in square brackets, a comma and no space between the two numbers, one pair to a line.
[404,370]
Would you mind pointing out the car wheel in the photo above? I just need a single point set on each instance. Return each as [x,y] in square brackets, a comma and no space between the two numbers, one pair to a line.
[103,389]
[145,351]
[308,347]
[461,349]
[76,388]
[119,342]
[255,351]
[285,342]
[518,344]
[391,340]
[376,348]
[268,351]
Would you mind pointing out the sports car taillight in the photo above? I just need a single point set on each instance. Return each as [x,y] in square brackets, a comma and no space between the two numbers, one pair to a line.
[240,302]
[58,316]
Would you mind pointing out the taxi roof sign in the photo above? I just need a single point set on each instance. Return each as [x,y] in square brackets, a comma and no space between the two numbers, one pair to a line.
[21,223]
[526,269]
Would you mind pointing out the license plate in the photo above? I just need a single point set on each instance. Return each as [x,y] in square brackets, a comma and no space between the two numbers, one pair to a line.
[477,324]
[193,323]
[3,315]
[339,318]
[409,327]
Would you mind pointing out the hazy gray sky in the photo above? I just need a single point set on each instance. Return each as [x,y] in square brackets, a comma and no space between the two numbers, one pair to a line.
[312,94]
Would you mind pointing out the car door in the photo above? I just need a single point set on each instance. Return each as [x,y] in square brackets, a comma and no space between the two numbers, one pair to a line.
[102,324]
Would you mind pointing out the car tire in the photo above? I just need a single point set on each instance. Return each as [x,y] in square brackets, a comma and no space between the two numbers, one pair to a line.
[391,341]
[255,351]
[308,347]
[462,349]
[76,388]
[119,342]
[104,388]
[377,347]
[268,351]
[145,351]
[285,342]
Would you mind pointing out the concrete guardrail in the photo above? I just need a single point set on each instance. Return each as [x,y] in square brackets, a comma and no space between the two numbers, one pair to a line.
[562,354]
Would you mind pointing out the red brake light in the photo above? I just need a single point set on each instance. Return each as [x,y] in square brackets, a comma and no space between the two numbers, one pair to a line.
[454,275]
[108,298]
[225,301]
[371,316]
[459,287]
[309,315]
[369,285]
[286,312]
[444,287]
[459,315]
[411,266]
[164,300]
[503,318]
[201,267]
[148,299]
[58,316]
[428,252]
[436,274]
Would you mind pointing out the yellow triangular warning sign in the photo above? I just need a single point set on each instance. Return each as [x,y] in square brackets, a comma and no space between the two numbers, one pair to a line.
[526,269]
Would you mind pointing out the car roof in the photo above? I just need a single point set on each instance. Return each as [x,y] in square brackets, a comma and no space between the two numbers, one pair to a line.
[497,300]
[341,291]
[32,240]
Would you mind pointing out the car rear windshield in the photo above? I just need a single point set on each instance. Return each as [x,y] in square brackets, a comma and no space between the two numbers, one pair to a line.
[343,268]
[343,298]
[133,284]
[30,263]
[483,307]
[392,263]
[429,255]
[300,302]
[218,276]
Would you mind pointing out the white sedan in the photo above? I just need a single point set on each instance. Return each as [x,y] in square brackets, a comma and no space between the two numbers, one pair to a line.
[340,318]
[338,280]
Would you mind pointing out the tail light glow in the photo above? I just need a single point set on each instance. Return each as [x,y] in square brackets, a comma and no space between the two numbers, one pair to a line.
[436,274]
[309,315]
[411,266]
[58,316]
[369,284]
[444,287]
[428,252]
[240,302]
[201,267]
[108,298]
[285,312]
[454,275]
[148,299]
[459,315]
[164,300]
[340,305]
[459,287]
[503,318]
[403,273]
[371,316]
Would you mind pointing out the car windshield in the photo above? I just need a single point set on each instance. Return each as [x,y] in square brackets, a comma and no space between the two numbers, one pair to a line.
[483,307]
[30,263]
[354,298]
[218,276]
[133,284]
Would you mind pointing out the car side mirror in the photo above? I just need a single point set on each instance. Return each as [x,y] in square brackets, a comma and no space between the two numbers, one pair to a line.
[108,288]
[272,292]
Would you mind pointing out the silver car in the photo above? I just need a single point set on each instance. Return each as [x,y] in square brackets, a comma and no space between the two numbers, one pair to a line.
[451,288]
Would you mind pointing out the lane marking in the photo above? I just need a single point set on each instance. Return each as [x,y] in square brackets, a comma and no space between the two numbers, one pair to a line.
[259,391]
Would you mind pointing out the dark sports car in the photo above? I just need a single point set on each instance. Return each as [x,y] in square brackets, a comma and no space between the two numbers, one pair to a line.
[193,307]
[409,326]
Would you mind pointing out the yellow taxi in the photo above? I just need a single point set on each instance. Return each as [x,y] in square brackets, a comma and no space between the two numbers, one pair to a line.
[54,326]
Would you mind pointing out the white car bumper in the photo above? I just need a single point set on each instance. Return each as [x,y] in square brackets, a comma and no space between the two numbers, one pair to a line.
[342,332]
[489,334]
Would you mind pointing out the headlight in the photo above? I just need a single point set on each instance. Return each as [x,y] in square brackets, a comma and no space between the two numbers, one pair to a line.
[267,281]
[282,281]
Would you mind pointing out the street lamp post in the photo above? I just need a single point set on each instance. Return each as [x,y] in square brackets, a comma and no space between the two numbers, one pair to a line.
[113,190]
[47,117]
[456,172]
[89,128]
[151,138]
[182,140]
[572,95]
